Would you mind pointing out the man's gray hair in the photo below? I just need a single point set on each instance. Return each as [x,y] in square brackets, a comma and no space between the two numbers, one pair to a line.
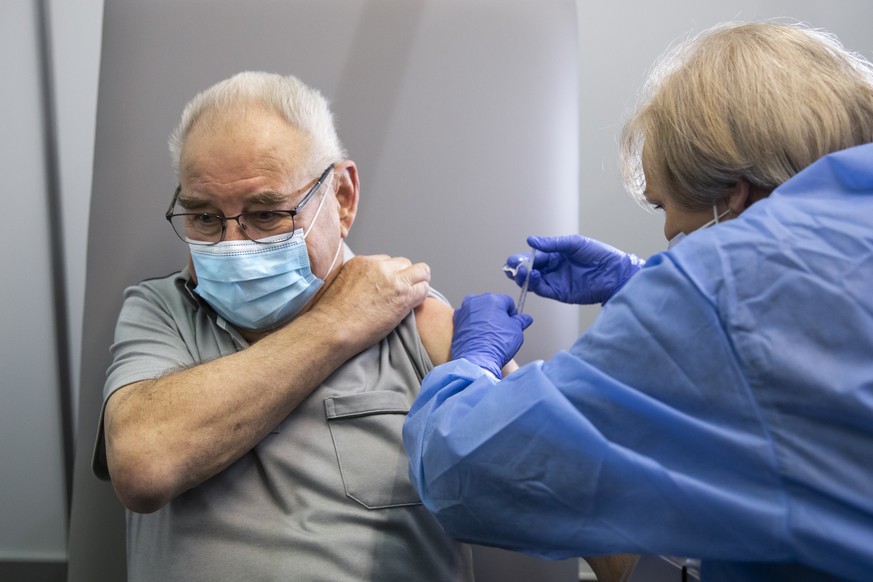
[300,105]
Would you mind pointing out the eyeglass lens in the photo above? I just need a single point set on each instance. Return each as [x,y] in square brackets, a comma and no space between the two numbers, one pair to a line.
[208,228]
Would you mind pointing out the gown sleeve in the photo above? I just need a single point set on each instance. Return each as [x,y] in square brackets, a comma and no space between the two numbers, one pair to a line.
[643,437]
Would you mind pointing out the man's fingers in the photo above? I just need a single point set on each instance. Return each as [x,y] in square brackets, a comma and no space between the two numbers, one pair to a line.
[417,276]
[416,273]
[382,280]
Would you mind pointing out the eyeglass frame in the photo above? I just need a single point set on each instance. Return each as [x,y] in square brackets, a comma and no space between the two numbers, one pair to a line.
[223,219]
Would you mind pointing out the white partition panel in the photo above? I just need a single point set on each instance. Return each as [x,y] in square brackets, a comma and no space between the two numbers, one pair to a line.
[32,484]
[462,117]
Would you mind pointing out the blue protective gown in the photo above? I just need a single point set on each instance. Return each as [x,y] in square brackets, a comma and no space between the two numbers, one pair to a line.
[721,406]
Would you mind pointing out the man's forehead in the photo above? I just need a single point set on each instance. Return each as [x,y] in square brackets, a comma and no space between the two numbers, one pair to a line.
[247,154]
[248,131]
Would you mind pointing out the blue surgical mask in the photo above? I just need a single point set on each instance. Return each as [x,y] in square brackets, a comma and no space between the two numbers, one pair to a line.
[716,217]
[257,286]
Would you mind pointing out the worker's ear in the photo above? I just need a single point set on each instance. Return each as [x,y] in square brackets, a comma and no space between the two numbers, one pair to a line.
[347,192]
[738,200]
[743,196]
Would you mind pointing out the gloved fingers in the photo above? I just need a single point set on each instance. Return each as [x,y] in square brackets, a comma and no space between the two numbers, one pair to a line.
[536,282]
[580,250]
[558,244]
[486,309]
[524,319]
[538,285]
[501,302]
[483,306]
[488,331]
[521,275]
[513,262]
[516,266]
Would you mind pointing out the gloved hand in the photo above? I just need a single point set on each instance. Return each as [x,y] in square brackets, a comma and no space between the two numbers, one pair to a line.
[574,269]
[488,332]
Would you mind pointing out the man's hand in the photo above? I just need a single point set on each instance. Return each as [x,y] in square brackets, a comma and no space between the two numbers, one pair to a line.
[372,294]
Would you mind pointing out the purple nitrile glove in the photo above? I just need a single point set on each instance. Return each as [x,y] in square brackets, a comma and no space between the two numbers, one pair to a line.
[574,269]
[488,332]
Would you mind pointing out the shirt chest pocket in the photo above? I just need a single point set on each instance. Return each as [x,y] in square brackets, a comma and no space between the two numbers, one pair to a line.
[366,432]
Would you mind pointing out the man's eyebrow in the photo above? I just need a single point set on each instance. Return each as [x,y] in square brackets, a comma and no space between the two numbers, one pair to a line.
[263,198]
[268,198]
[190,202]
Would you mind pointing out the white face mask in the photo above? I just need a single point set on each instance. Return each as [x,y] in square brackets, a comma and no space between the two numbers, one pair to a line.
[716,218]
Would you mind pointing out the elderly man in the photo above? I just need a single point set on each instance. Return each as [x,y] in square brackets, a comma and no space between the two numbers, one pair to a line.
[253,409]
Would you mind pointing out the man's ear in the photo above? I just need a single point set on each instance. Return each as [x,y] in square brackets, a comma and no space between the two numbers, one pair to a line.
[347,193]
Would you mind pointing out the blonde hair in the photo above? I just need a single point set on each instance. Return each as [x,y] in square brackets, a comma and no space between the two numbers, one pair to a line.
[300,105]
[756,102]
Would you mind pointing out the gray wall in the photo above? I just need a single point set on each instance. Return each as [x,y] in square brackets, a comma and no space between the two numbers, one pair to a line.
[617,43]
[32,469]
[45,198]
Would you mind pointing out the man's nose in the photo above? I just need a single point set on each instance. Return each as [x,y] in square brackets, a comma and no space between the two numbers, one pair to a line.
[234,230]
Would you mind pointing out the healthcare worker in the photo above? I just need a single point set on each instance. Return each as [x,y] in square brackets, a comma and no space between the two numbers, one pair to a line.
[721,406]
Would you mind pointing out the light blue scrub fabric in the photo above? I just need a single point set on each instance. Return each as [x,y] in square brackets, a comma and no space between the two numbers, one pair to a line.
[721,406]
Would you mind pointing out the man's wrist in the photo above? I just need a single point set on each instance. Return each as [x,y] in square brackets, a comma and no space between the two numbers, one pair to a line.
[330,333]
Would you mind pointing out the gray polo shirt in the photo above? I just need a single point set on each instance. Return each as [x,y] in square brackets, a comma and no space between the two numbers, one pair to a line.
[326,496]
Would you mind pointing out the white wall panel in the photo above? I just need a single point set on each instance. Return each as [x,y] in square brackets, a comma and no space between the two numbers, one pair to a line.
[76,32]
[32,504]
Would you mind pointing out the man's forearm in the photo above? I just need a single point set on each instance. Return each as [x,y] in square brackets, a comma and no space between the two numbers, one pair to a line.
[167,435]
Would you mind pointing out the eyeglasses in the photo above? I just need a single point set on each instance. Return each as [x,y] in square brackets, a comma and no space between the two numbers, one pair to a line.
[204,228]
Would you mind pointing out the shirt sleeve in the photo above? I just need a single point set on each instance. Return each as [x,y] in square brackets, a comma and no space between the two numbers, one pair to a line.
[147,344]
[148,341]
[643,437]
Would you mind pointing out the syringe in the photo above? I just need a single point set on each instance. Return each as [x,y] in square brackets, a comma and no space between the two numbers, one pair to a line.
[519,305]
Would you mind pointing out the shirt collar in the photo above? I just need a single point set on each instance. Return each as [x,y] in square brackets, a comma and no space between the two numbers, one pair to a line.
[185,284]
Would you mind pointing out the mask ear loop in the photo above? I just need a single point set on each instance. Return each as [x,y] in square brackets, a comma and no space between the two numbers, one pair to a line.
[339,247]
[716,217]
[314,218]
[320,204]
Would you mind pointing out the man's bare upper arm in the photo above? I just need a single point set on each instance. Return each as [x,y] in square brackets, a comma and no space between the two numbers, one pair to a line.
[433,318]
